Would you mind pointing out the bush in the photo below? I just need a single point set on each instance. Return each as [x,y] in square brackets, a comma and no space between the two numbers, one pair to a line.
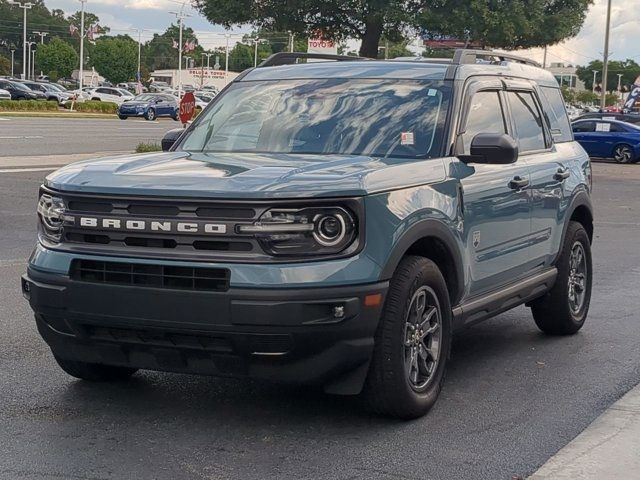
[27,106]
[94,107]
[148,147]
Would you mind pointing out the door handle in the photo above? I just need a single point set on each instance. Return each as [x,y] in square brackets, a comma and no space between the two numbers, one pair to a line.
[562,174]
[518,182]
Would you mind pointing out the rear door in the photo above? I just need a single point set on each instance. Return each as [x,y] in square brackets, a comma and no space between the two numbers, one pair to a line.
[496,211]
[584,132]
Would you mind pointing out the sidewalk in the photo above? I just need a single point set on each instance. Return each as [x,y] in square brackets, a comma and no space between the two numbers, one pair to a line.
[609,448]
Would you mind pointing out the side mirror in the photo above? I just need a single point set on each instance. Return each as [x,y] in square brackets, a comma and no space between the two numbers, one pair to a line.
[170,138]
[492,148]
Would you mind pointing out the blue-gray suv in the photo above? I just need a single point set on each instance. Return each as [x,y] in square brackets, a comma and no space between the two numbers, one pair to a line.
[326,223]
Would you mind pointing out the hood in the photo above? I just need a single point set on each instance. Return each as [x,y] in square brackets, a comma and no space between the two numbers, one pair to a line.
[243,175]
[135,103]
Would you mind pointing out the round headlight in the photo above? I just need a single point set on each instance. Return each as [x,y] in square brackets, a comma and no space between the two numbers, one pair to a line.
[330,229]
[51,211]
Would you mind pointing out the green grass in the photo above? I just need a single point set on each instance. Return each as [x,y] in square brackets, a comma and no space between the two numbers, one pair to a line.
[148,147]
[27,106]
[94,107]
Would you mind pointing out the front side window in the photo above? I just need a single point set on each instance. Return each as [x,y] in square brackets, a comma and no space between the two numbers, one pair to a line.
[485,116]
[527,120]
[382,118]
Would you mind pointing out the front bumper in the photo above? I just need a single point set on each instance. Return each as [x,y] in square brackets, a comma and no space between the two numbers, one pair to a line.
[321,336]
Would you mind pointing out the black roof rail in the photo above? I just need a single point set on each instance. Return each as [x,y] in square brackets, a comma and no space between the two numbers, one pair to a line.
[289,58]
[464,57]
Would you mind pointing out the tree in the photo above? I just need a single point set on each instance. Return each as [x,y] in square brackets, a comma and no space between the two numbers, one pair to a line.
[510,25]
[5,66]
[58,56]
[587,96]
[629,70]
[366,20]
[116,58]
[159,52]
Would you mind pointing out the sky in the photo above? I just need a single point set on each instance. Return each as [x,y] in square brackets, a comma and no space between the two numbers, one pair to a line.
[153,15]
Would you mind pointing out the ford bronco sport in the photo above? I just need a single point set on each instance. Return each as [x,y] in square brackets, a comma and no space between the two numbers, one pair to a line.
[327,223]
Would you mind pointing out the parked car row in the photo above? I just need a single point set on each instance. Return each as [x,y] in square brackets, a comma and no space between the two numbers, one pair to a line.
[606,135]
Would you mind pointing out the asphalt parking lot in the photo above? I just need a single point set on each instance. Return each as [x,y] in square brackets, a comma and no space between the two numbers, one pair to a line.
[512,398]
[27,135]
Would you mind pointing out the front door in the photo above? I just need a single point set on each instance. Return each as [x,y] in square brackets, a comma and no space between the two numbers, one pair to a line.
[497,206]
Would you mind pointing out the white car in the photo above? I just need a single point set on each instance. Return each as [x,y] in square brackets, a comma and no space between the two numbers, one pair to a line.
[4,95]
[110,94]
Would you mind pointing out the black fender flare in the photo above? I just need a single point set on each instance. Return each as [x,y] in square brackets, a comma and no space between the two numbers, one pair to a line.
[580,199]
[428,228]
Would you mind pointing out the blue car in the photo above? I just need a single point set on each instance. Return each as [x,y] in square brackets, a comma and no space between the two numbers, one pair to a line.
[609,139]
[150,106]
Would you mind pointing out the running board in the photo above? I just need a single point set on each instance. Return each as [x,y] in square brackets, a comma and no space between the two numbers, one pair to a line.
[494,303]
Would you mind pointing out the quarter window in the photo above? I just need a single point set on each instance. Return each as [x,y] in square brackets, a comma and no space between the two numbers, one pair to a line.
[485,116]
[527,120]
[557,115]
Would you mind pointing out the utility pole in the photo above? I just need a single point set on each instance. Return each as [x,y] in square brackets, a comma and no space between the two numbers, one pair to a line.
[290,41]
[593,87]
[24,6]
[81,76]
[256,41]
[13,54]
[620,87]
[42,35]
[605,63]
[180,16]
[33,63]
[226,63]
[544,59]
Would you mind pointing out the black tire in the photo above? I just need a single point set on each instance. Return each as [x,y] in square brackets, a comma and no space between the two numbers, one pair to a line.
[94,372]
[122,117]
[388,389]
[96,100]
[623,153]
[558,313]
[150,115]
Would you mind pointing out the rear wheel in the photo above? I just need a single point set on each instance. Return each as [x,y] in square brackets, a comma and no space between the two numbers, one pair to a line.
[564,309]
[122,117]
[94,372]
[412,342]
[623,154]
[95,99]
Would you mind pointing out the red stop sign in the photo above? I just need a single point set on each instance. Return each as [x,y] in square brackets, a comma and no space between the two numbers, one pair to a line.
[187,107]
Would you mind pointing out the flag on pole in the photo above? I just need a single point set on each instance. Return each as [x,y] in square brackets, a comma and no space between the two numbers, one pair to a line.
[175,44]
[73,29]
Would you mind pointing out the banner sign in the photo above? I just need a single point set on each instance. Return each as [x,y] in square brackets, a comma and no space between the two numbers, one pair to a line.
[633,97]
[320,45]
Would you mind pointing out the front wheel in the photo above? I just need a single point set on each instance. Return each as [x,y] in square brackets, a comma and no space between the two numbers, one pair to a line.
[623,154]
[412,343]
[563,310]
[150,115]
[122,117]
[94,372]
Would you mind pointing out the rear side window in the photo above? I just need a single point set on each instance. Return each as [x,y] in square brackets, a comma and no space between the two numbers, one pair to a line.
[527,121]
[485,116]
[584,127]
[553,105]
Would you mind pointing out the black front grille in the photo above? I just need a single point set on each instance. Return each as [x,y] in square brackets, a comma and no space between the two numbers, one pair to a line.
[152,276]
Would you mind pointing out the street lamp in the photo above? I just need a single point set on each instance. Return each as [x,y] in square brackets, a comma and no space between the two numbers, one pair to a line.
[29,59]
[81,79]
[256,41]
[42,35]
[13,54]
[139,30]
[605,63]
[24,6]
[180,16]
[593,86]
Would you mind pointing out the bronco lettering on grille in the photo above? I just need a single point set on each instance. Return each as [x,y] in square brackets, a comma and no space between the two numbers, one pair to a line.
[152,226]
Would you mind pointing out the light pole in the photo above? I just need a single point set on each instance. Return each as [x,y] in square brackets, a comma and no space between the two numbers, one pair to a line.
[180,16]
[139,30]
[226,63]
[620,87]
[33,63]
[605,63]
[256,41]
[208,55]
[29,58]
[42,35]
[290,41]
[593,87]
[187,59]
[81,76]
[13,54]
[24,6]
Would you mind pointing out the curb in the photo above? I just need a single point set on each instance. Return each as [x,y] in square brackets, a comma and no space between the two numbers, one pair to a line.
[608,448]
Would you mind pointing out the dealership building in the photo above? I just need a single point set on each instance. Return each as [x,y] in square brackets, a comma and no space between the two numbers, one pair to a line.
[198,77]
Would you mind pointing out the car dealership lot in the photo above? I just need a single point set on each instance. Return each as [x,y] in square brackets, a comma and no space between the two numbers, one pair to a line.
[512,398]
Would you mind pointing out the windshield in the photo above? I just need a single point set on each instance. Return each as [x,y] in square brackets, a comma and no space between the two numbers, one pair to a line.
[55,86]
[384,118]
[145,97]
[20,86]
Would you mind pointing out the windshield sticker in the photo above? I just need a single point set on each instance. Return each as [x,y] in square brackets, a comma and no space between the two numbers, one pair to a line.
[603,127]
[407,138]
[432,92]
